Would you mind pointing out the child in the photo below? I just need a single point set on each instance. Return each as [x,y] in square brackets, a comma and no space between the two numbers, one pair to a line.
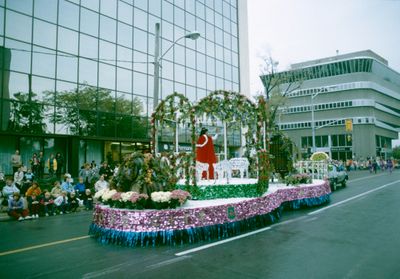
[8,190]
[48,204]
[56,190]
[88,199]
[73,202]
[34,205]
[80,187]
[16,208]
[62,202]
[67,184]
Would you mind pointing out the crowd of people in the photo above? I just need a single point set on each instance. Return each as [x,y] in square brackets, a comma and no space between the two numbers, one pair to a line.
[24,198]
[372,164]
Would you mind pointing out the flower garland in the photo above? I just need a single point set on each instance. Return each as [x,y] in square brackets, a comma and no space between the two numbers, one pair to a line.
[178,108]
[134,200]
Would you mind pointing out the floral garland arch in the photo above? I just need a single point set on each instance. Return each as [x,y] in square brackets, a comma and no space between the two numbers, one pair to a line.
[178,108]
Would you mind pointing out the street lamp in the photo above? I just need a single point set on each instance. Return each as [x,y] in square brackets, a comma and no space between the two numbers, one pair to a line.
[313,95]
[157,58]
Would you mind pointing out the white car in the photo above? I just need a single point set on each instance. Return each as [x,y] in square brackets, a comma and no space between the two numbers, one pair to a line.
[337,175]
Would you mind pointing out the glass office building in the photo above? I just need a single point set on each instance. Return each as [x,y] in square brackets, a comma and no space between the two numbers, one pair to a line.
[77,75]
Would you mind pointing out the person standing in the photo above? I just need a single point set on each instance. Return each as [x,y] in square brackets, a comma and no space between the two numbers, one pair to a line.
[106,171]
[52,165]
[205,151]
[16,161]
[41,165]
[19,178]
[35,165]
[60,165]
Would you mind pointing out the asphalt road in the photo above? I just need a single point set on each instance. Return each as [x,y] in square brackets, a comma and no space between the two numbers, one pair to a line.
[355,236]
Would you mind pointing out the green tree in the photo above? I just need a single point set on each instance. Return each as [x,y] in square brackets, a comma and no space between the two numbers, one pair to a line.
[89,110]
[27,114]
[396,152]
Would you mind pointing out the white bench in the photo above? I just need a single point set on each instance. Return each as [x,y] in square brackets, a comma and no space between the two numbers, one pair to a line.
[200,168]
[240,164]
[222,170]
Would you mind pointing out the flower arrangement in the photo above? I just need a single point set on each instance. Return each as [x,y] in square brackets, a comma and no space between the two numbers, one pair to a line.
[319,156]
[134,200]
[263,170]
[299,178]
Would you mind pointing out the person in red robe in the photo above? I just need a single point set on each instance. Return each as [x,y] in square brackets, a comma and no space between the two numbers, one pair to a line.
[205,152]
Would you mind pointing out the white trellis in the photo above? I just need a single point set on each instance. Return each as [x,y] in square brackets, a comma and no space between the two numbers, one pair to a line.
[316,169]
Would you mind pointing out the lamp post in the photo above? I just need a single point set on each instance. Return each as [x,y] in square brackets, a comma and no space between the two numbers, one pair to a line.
[157,58]
[313,95]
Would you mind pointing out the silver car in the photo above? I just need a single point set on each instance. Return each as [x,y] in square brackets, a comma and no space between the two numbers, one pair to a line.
[337,175]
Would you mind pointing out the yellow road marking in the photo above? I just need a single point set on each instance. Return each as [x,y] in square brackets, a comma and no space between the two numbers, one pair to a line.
[42,245]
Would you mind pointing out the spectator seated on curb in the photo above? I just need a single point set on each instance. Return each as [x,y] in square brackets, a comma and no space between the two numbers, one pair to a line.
[88,199]
[101,184]
[8,190]
[61,203]
[16,208]
[80,188]
[56,191]
[33,196]
[67,184]
[73,202]
[48,205]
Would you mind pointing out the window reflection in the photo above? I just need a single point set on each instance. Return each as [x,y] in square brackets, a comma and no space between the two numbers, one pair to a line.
[91,4]
[68,41]
[155,7]
[88,47]
[179,73]
[44,64]
[139,84]
[124,35]
[140,19]
[124,80]
[18,26]
[167,11]
[69,14]
[107,52]
[87,71]
[89,22]
[179,17]
[46,9]
[106,76]
[44,34]
[108,7]
[124,57]
[125,12]
[48,119]
[18,83]
[43,89]
[20,56]
[107,28]
[201,80]
[140,40]
[24,6]
[67,68]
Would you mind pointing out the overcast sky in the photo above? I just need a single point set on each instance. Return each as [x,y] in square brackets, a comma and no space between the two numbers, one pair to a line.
[292,31]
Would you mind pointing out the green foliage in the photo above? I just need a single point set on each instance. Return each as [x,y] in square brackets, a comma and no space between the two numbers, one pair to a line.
[144,173]
[396,152]
[27,115]
[84,109]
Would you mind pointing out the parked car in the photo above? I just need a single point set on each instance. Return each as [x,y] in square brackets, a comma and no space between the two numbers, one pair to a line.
[337,175]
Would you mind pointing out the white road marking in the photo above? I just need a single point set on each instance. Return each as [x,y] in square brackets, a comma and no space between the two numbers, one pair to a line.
[221,242]
[352,198]
[42,245]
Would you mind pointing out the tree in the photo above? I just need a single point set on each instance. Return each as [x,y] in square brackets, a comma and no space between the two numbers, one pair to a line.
[27,114]
[396,152]
[89,110]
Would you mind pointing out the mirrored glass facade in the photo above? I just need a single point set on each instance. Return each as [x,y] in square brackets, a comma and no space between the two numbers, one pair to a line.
[83,69]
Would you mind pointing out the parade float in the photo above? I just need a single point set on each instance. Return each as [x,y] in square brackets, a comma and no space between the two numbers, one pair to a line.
[162,197]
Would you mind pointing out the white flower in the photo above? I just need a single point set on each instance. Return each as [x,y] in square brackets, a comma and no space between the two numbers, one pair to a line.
[100,193]
[108,194]
[126,196]
[161,196]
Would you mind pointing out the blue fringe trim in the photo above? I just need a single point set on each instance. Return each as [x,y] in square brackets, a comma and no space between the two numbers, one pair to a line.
[309,202]
[193,235]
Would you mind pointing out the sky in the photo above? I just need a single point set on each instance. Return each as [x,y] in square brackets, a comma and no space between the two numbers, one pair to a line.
[292,31]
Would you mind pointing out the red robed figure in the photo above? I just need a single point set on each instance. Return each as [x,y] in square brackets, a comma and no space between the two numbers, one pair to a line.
[205,152]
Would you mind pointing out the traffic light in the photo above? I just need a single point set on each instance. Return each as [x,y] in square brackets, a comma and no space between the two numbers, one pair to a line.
[349,125]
